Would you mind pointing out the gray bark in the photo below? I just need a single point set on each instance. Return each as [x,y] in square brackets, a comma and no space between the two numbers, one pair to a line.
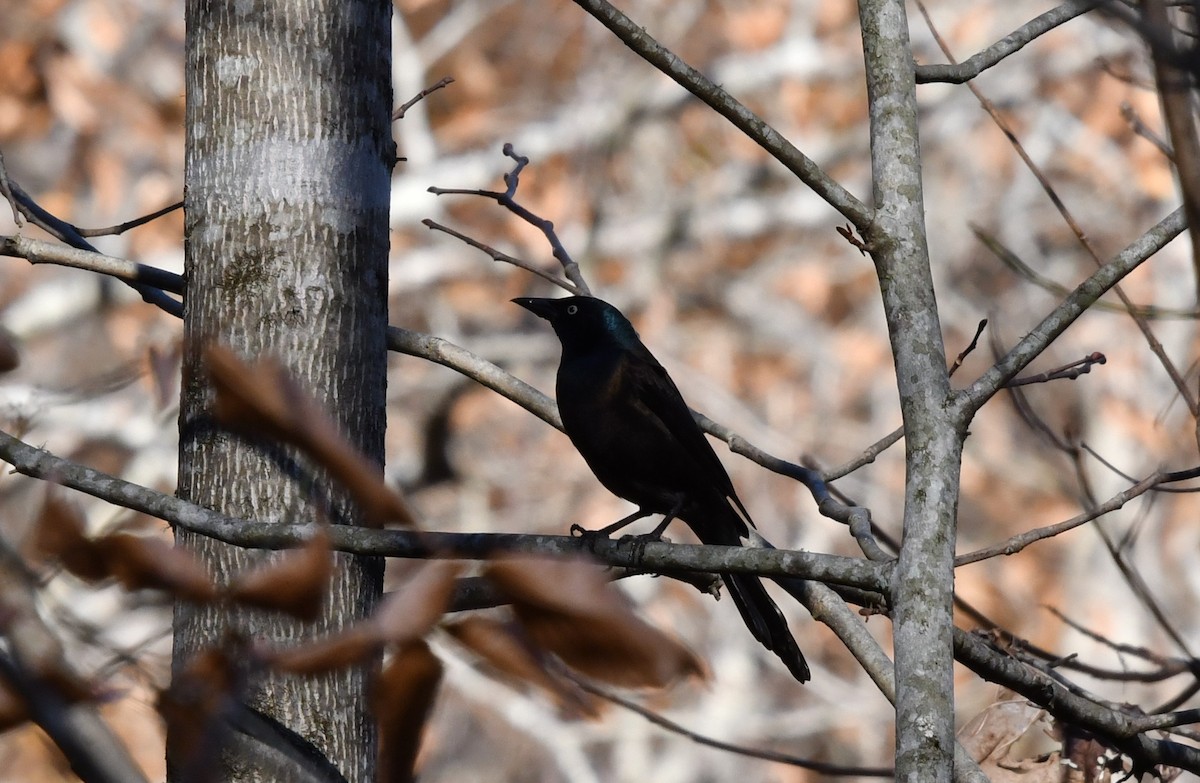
[923,584]
[288,162]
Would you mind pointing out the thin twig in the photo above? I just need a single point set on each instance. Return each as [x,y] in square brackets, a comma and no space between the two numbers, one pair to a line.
[1069,371]
[824,768]
[1018,265]
[957,73]
[1121,649]
[1140,128]
[1142,591]
[868,455]
[68,233]
[1155,346]
[38,251]
[7,194]
[507,199]
[1018,542]
[965,352]
[1179,475]
[754,127]
[1017,645]
[498,255]
[121,228]
[400,112]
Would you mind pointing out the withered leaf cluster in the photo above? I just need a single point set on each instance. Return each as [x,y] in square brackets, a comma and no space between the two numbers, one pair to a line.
[564,618]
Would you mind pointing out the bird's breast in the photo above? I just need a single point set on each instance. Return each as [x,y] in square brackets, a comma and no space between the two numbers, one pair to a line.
[623,442]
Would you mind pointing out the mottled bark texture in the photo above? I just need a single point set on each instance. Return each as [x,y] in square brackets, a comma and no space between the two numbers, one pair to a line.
[289,155]
[923,584]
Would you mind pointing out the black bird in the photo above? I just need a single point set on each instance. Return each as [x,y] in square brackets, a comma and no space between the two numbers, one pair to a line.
[628,420]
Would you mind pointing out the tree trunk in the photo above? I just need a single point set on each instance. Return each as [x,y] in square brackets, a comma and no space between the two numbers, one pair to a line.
[289,155]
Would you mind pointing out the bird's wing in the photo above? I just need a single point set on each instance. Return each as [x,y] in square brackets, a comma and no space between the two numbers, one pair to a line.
[654,388]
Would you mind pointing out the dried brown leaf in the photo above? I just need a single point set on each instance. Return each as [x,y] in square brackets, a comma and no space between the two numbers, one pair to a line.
[70,687]
[13,710]
[502,647]
[402,618]
[351,647]
[162,374]
[195,707]
[60,535]
[568,607]
[381,505]
[10,355]
[1088,761]
[569,585]
[143,562]
[410,611]
[403,697]
[294,582]
[257,399]
[263,400]
[1010,742]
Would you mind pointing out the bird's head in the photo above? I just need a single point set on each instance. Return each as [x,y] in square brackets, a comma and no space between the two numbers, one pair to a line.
[583,323]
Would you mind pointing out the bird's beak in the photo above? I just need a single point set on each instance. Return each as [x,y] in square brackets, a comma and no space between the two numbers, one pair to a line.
[542,308]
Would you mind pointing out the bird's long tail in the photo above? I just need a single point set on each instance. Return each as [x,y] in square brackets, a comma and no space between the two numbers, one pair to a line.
[727,523]
[766,622]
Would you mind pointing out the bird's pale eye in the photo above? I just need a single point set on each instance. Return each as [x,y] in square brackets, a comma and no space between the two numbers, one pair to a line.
[572,309]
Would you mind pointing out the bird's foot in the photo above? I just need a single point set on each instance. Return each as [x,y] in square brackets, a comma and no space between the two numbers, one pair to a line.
[652,537]
[636,541]
[590,537]
[637,544]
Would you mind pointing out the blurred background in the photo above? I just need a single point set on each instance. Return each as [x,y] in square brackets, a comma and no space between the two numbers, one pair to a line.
[736,278]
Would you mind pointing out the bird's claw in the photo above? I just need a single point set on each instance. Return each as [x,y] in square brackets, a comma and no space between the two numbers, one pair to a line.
[579,531]
[641,538]
[589,537]
[637,544]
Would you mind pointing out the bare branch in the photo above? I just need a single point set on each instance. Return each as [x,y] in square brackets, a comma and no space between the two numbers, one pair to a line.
[121,228]
[447,354]
[69,234]
[502,257]
[38,251]
[1078,302]
[654,557]
[1022,540]
[1027,272]
[1067,372]
[1168,667]
[1138,126]
[833,770]
[1175,90]
[1120,729]
[957,73]
[400,112]
[866,457]
[1169,366]
[965,352]
[1179,475]
[758,130]
[7,194]
[507,199]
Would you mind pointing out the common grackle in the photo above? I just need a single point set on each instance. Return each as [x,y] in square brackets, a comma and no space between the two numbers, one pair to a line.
[626,417]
